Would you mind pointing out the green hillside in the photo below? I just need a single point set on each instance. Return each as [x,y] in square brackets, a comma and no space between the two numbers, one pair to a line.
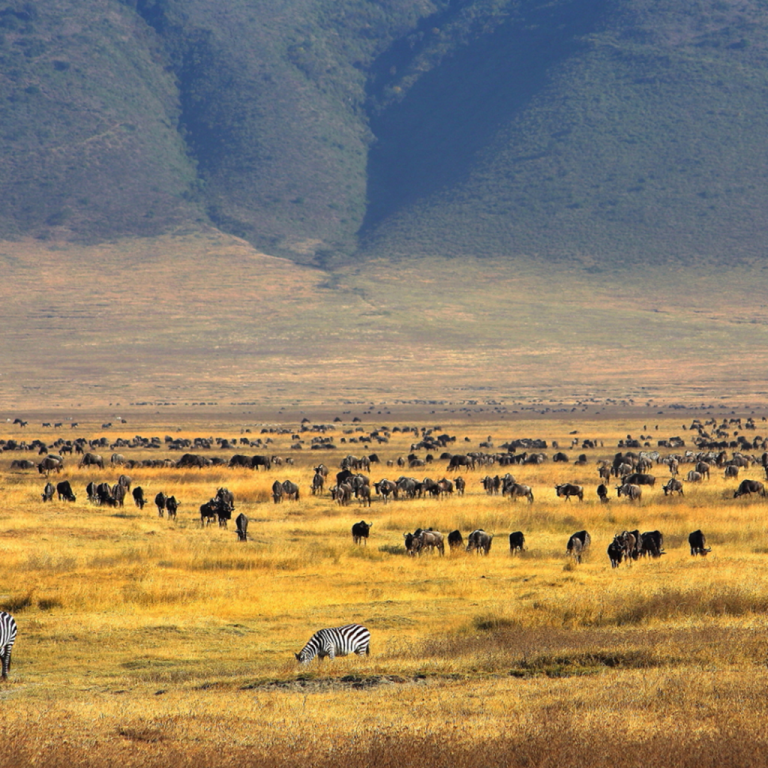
[332,130]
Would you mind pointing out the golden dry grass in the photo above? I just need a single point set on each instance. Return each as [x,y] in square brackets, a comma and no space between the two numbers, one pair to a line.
[149,642]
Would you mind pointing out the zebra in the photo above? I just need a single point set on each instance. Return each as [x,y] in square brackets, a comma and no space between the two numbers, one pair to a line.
[336,641]
[7,639]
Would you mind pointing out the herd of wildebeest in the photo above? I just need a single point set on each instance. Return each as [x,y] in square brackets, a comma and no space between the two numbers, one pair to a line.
[717,446]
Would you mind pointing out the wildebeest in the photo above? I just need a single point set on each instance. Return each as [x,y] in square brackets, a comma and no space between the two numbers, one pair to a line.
[578,543]
[64,491]
[747,487]
[652,544]
[703,468]
[171,506]
[104,495]
[615,553]
[118,494]
[479,541]
[160,501]
[208,512]
[138,497]
[261,461]
[632,492]
[731,471]
[697,542]
[48,492]
[277,491]
[241,524]
[455,539]
[673,486]
[386,488]
[461,484]
[459,461]
[92,460]
[360,532]
[517,490]
[318,482]
[602,492]
[516,542]
[50,464]
[568,490]
[694,477]
[290,490]
[638,478]
[427,540]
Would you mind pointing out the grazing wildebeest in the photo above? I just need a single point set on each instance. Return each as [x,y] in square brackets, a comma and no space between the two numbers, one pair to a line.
[241,460]
[568,490]
[104,495]
[747,487]
[261,461]
[638,478]
[64,491]
[517,490]
[428,540]
[208,512]
[50,464]
[615,553]
[578,543]
[277,491]
[171,506]
[703,468]
[697,542]
[731,471]
[318,482]
[516,542]
[632,492]
[479,541]
[460,461]
[160,501]
[92,460]
[694,477]
[360,532]
[673,486]
[455,540]
[461,485]
[118,494]
[23,464]
[652,544]
[604,472]
[386,488]
[48,492]
[91,493]
[138,497]
[602,492]
[491,484]
[241,524]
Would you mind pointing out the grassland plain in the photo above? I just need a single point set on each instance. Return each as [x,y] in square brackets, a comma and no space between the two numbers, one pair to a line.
[148,642]
[207,318]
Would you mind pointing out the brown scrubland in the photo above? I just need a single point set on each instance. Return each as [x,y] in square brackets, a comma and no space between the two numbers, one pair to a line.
[145,641]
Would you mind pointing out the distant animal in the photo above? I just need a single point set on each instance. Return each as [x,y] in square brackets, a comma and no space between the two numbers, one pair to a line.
[516,542]
[48,492]
[171,506]
[160,501]
[138,497]
[50,464]
[652,544]
[208,512]
[290,490]
[92,460]
[570,489]
[455,540]
[638,478]
[8,631]
[694,477]
[428,540]
[731,471]
[360,532]
[673,486]
[517,490]
[615,553]
[336,641]
[461,485]
[241,525]
[64,491]
[318,482]
[748,487]
[697,543]
[578,543]
[602,492]
[479,541]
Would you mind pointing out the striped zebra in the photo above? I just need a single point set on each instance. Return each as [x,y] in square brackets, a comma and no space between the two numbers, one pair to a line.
[7,639]
[336,641]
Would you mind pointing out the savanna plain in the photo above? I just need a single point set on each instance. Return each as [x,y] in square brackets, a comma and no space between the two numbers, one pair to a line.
[148,641]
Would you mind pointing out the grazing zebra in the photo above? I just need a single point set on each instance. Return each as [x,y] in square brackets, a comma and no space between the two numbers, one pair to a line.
[336,641]
[7,639]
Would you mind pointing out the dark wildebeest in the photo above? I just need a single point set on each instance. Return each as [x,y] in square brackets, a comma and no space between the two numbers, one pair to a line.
[138,497]
[386,488]
[241,524]
[455,540]
[277,491]
[290,490]
[64,491]
[697,542]
[90,491]
[118,494]
[92,460]
[694,477]
[731,471]
[160,501]
[460,461]
[125,481]
[48,492]
[171,506]
[50,464]
[104,495]
[479,541]
[516,542]
[517,490]
[491,484]
[208,512]
[568,490]
[602,492]
[703,468]
[652,543]
[461,484]
[360,532]
[578,544]
[240,460]
[632,492]
[747,487]
[615,553]
[318,482]
[673,486]
[261,461]
[638,478]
